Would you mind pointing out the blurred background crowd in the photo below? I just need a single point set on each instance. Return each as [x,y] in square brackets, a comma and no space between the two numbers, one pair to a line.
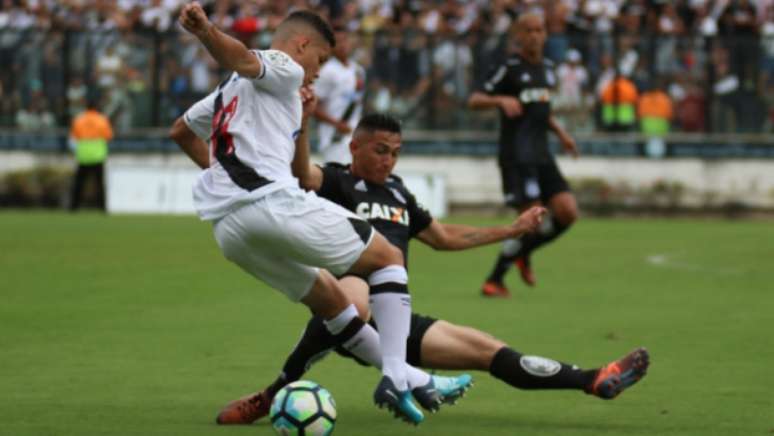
[701,65]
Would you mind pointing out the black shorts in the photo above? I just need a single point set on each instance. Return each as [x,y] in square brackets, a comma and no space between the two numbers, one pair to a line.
[419,326]
[527,183]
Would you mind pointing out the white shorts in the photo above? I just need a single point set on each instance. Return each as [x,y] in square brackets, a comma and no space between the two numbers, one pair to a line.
[283,238]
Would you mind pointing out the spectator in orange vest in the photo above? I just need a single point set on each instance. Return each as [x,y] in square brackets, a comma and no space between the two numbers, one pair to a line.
[89,136]
[619,101]
[655,111]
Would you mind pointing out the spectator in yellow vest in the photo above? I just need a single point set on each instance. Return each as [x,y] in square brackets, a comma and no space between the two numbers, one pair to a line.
[89,136]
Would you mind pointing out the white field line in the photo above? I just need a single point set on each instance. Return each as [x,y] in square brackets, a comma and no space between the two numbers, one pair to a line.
[669,261]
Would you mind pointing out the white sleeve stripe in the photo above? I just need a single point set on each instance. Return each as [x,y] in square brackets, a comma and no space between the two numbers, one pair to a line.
[496,78]
[263,65]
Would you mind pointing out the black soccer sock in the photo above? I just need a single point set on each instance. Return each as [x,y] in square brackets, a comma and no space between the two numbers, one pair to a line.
[543,236]
[502,265]
[523,247]
[314,344]
[533,372]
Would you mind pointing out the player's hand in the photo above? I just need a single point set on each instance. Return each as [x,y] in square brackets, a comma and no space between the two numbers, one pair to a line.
[193,19]
[569,145]
[343,128]
[530,220]
[511,106]
[308,99]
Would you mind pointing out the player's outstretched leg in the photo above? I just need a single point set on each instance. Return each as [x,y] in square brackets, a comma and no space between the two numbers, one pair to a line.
[398,402]
[617,376]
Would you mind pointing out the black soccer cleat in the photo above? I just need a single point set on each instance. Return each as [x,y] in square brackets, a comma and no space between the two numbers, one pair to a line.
[397,402]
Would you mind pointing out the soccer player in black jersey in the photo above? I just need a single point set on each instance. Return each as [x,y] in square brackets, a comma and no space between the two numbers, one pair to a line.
[368,188]
[521,89]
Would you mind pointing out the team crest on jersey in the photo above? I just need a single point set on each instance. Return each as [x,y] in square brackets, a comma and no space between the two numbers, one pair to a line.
[373,211]
[277,57]
[525,77]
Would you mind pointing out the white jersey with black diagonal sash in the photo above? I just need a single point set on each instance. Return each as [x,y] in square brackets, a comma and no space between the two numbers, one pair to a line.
[251,125]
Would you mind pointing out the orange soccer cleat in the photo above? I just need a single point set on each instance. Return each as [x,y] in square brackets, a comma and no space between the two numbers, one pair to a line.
[245,410]
[494,289]
[617,376]
[525,270]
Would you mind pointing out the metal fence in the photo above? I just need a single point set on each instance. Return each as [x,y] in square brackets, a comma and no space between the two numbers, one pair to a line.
[146,79]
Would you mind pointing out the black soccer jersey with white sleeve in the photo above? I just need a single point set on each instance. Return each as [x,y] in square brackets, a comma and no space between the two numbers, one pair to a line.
[390,208]
[524,139]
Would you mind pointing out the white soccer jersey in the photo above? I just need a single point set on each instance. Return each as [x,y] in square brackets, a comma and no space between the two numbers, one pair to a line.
[251,125]
[340,89]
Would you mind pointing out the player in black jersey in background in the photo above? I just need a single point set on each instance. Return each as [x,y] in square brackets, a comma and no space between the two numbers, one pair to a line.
[521,89]
[368,188]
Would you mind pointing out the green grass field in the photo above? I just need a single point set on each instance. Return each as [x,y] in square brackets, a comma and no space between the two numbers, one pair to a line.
[138,326]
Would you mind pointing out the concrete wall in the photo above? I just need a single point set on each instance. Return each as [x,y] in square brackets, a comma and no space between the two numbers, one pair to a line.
[472,181]
[705,183]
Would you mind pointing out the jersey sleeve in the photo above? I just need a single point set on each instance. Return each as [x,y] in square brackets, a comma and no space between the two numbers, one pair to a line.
[280,74]
[419,217]
[198,117]
[495,80]
[331,184]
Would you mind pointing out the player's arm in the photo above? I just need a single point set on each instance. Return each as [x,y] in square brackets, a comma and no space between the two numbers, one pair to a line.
[442,236]
[230,53]
[510,105]
[495,94]
[567,141]
[310,176]
[191,144]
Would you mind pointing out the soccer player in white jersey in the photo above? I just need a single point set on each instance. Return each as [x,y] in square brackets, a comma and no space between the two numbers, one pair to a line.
[339,89]
[262,221]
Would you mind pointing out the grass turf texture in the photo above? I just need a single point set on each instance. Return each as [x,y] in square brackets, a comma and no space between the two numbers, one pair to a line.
[137,325]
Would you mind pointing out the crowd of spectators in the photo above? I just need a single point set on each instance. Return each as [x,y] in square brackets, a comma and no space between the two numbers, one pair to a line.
[710,60]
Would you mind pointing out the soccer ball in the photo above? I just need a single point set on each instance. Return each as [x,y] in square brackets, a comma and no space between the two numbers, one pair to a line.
[303,408]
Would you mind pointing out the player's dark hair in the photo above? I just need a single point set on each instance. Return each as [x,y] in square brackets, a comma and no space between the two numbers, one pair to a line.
[379,121]
[314,21]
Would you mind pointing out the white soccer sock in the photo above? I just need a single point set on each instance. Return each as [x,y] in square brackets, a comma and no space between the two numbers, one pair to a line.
[365,346]
[391,309]
[337,324]
[416,377]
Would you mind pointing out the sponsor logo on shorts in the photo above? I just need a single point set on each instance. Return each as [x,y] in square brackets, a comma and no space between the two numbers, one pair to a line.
[532,188]
[540,366]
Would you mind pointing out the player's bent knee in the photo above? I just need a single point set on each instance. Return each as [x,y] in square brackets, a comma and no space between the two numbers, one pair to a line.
[325,298]
[566,210]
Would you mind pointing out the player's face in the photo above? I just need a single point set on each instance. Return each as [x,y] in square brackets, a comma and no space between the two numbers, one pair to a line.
[375,155]
[311,57]
[531,34]
[343,45]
